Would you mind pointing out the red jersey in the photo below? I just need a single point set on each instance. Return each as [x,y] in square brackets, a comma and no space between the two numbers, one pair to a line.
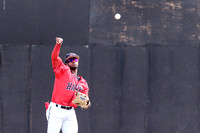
[66,84]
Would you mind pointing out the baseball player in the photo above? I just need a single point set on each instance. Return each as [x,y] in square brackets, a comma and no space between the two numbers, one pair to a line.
[60,113]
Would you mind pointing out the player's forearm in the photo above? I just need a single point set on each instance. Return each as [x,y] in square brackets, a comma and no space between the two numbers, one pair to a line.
[55,52]
[56,60]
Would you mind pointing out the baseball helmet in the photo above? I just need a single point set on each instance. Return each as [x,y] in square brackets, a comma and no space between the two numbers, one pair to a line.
[71,55]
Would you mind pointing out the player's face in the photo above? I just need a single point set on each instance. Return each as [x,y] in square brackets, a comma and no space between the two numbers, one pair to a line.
[72,63]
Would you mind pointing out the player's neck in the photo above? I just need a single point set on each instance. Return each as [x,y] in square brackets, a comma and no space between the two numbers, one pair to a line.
[74,71]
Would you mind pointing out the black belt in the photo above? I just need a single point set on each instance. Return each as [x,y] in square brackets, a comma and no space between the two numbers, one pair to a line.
[63,107]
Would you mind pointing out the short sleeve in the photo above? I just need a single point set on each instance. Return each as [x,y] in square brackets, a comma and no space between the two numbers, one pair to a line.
[85,88]
[59,70]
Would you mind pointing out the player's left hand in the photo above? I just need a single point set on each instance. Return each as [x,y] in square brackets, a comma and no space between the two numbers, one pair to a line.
[82,100]
[87,105]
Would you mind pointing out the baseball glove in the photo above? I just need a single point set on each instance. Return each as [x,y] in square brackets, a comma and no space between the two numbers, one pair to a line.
[81,100]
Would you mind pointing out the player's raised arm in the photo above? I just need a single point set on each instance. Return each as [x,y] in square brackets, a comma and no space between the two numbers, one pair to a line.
[56,60]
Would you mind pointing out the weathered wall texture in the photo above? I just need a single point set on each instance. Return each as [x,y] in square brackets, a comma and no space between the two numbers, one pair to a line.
[154,21]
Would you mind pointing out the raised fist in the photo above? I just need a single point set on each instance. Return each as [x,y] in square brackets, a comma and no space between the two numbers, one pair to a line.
[59,40]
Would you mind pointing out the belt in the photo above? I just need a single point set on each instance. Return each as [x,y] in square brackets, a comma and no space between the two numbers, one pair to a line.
[63,107]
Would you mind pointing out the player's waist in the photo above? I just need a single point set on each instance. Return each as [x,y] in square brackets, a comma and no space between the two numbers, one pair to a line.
[60,106]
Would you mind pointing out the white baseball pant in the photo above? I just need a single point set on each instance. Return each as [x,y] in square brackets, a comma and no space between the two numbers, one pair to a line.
[59,118]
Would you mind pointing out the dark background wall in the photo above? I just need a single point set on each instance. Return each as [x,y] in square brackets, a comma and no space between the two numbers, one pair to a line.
[142,70]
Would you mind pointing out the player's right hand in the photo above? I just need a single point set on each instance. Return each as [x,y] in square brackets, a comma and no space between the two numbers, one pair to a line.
[59,40]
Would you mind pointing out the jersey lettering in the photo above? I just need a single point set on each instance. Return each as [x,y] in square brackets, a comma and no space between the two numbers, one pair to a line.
[69,86]
[73,87]
[79,88]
